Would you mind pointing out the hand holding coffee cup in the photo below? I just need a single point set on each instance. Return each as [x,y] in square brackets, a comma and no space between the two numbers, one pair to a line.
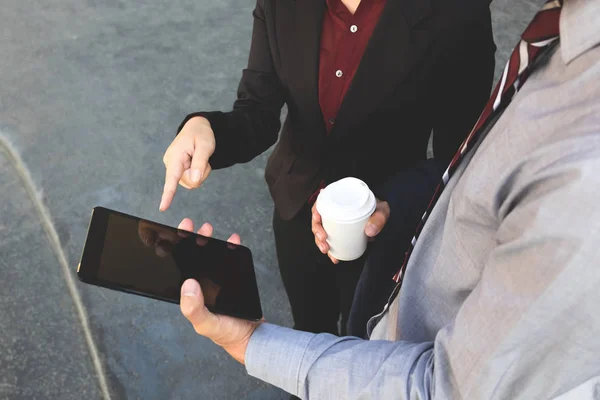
[345,215]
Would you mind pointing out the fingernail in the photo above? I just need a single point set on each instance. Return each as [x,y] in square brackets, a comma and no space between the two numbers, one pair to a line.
[196,175]
[319,236]
[371,230]
[190,288]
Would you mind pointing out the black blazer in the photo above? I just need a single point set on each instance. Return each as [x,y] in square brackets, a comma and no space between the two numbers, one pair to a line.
[428,66]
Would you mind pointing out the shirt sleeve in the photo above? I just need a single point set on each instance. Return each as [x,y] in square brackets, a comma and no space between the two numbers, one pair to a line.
[527,330]
[324,366]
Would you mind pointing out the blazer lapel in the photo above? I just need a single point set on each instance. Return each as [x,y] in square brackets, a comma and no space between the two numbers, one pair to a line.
[388,58]
[300,48]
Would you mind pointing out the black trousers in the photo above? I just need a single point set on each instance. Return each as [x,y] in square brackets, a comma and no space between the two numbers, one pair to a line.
[319,291]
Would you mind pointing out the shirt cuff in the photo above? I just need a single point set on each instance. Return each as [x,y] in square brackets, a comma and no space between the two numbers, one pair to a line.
[274,355]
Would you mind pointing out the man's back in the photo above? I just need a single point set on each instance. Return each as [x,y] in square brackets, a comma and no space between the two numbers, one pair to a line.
[504,278]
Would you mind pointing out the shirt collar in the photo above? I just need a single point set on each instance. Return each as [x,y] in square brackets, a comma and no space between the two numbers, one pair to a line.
[579,27]
[335,4]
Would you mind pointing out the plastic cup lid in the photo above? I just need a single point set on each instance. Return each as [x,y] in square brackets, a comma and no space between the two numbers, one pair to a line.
[346,200]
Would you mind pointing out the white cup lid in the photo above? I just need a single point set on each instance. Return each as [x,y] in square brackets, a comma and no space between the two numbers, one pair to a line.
[346,200]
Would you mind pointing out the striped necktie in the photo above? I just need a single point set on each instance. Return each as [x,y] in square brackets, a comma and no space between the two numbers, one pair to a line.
[542,33]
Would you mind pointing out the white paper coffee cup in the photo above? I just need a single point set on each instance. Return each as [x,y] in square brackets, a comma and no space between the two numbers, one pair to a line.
[345,207]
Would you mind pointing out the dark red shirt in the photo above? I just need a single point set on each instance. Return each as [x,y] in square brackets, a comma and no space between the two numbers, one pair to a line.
[344,38]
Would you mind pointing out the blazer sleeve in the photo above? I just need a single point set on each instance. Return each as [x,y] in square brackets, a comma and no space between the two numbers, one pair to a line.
[462,84]
[408,193]
[253,124]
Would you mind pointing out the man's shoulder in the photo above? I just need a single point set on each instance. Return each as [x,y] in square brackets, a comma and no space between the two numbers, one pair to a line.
[559,102]
[548,137]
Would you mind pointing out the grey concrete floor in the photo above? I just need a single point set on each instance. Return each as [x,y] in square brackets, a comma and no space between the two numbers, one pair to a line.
[91,93]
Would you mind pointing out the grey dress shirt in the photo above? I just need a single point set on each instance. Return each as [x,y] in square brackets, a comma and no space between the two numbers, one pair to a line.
[501,298]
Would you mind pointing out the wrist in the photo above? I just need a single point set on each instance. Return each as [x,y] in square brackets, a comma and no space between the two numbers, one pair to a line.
[199,120]
[199,128]
[237,348]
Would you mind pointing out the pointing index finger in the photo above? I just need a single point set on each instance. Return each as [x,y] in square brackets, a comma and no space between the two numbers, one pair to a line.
[172,177]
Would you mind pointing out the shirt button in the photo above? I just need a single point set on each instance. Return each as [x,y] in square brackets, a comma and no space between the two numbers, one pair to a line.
[339,73]
[353,28]
[331,120]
